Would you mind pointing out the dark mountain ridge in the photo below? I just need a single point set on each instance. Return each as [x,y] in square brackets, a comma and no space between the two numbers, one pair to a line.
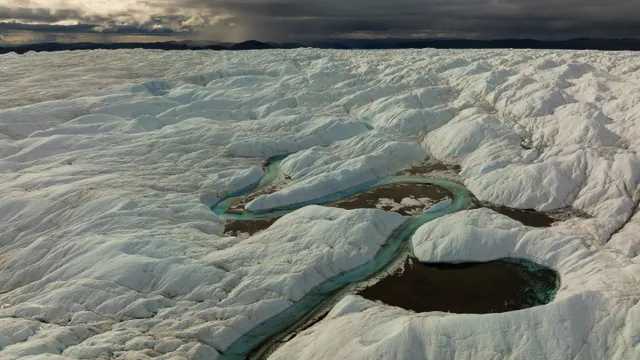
[632,44]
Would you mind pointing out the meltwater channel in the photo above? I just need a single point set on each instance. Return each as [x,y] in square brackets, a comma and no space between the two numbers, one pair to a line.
[397,241]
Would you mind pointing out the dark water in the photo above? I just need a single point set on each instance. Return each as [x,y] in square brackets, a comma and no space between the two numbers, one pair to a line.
[250,227]
[528,217]
[472,288]
[479,288]
[370,198]
[367,199]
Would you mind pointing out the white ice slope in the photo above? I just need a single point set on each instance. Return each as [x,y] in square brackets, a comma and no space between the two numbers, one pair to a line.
[597,295]
[106,247]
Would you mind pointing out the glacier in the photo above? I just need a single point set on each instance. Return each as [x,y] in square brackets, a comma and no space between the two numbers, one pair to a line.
[108,245]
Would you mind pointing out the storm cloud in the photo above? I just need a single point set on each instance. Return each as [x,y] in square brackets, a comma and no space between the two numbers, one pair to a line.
[297,20]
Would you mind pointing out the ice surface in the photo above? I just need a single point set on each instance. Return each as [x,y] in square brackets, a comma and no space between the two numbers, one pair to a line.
[107,165]
[323,171]
[577,324]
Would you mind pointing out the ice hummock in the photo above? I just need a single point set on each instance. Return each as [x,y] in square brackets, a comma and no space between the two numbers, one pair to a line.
[106,247]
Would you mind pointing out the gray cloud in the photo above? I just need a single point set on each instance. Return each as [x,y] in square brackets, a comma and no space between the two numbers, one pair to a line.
[293,20]
[83,28]
[48,24]
[12,26]
[38,14]
[479,18]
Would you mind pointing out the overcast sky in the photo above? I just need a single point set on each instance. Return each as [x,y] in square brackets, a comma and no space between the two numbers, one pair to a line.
[299,20]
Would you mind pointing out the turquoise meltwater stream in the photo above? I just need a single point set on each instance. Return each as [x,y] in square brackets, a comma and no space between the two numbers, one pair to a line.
[263,331]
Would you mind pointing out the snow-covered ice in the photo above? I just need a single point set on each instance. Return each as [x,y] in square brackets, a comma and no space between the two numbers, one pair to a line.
[108,247]
[596,296]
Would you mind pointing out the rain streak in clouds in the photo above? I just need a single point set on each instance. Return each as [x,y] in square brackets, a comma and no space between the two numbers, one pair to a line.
[299,20]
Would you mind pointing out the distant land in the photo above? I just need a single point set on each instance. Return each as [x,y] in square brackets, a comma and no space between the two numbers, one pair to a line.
[572,44]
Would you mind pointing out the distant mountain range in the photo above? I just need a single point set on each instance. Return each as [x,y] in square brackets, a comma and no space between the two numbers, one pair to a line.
[572,44]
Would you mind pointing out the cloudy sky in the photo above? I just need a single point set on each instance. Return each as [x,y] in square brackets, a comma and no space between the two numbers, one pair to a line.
[299,20]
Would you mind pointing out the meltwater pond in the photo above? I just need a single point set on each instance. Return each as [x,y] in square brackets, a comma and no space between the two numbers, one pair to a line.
[500,286]
[403,198]
[456,198]
[472,288]
[406,199]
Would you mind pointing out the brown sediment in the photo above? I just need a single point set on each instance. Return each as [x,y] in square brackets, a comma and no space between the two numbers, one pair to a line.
[396,192]
[247,227]
[473,288]
[243,228]
[427,168]
[428,194]
[530,217]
